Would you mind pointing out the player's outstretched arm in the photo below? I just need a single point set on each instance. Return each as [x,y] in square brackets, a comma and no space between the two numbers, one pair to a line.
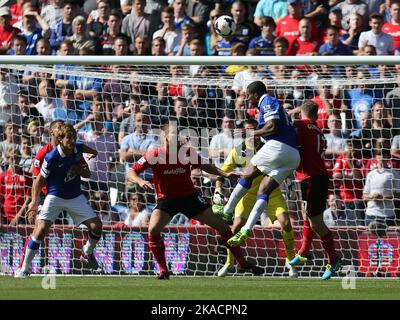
[212,169]
[133,177]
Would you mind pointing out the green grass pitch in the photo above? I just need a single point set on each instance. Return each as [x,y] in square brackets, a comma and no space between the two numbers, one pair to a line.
[191,288]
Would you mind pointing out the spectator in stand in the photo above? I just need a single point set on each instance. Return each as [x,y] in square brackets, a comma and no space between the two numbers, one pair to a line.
[288,26]
[98,26]
[16,10]
[239,49]
[350,6]
[187,35]
[52,12]
[364,133]
[281,46]
[95,112]
[27,155]
[99,201]
[224,45]
[335,139]
[11,141]
[348,172]
[392,100]
[383,42]
[137,22]
[107,39]
[304,44]
[137,214]
[49,102]
[211,36]
[180,17]
[335,19]
[115,93]
[68,111]
[381,189]
[202,106]
[395,147]
[7,31]
[63,28]
[141,46]
[245,29]
[381,121]
[81,38]
[334,46]
[15,190]
[393,26]
[318,11]
[352,37]
[222,143]
[120,46]
[362,98]
[8,96]
[135,145]
[275,9]
[180,113]
[199,12]
[168,32]
[159,105]
[336,215]
[244,78]
[240,109]
[128,124]
[26,112]
[35,130]
[264,43]
[195,49]
[101,166]
[31,32]
[176,88]
[384,9]
[158,47]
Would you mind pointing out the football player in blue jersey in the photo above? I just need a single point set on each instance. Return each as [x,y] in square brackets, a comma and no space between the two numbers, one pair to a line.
[62,170]
[276,160]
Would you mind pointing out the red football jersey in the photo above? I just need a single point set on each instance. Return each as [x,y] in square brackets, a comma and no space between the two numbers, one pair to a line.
[312,144]
[170,180]
[394,31]
[303,48]
[38,161]
[351,189]
[14,188]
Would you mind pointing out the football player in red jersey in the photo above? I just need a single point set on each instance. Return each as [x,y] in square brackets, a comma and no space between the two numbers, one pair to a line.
[314,180]
[176,194]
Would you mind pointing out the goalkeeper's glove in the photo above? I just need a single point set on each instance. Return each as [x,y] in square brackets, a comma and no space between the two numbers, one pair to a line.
[219,197]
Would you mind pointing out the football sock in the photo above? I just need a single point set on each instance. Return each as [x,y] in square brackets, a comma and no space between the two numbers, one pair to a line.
[31,250]
[91,243]
[236,251]
[240,190]
[230,259]
[157,248]
[288,240]
[308,236]
[329,245]
[258,209]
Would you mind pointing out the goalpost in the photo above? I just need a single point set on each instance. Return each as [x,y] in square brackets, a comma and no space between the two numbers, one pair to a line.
[100,94]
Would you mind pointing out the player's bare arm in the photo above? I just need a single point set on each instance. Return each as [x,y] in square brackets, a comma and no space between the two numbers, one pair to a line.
[269,128]
[82,170]
[212,169]
[133,177]
[37,186]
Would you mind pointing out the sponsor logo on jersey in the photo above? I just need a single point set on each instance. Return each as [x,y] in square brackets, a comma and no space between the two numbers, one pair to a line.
[175,171]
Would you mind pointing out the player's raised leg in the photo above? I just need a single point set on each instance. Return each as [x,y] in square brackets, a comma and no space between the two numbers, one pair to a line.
[241,189]
[158,220]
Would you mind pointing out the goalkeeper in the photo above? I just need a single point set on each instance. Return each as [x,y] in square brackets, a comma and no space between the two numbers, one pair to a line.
[276,209]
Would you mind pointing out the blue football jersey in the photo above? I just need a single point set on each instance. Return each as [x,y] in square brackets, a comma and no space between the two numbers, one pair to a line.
[56,169]
[271,109]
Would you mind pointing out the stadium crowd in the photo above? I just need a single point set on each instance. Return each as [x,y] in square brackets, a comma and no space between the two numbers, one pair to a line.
[115,117]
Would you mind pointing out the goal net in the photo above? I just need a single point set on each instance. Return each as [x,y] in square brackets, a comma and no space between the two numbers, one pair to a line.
[118,107]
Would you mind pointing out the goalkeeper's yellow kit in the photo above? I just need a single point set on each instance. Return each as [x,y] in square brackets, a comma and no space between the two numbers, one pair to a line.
[276,203]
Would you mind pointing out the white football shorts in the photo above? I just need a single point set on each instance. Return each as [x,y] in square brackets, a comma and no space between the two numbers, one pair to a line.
[78,208]
[277,160]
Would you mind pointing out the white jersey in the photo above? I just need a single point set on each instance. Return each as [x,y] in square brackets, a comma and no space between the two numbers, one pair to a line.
[384,182]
